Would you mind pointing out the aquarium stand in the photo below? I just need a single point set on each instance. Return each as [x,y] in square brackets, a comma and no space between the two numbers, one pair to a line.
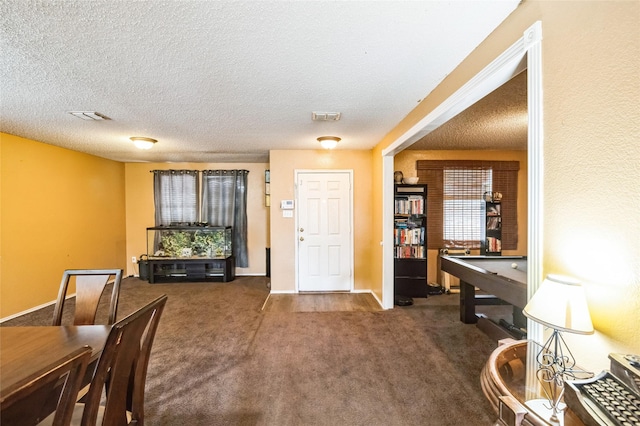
[191,269]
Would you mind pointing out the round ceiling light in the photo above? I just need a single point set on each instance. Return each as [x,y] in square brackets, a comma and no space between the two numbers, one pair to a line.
[329,142]
[143,143]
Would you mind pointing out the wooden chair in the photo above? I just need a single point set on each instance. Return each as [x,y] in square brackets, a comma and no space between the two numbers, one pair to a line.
[90,284]
[52,390]
[122,371]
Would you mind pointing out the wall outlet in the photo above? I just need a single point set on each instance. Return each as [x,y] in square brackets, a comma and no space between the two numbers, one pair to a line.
[133,259]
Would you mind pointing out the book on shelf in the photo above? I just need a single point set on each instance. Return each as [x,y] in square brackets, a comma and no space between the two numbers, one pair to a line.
[413,204]
[401,223]
[494,244]
[493,222]
[407,236]
[493,210]
[409,252]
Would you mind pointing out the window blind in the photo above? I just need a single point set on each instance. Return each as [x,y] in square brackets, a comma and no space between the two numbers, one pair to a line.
[504,179]
[175,196]
[462,205]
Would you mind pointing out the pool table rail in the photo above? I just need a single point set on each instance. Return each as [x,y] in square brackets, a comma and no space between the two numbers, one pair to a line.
[471,276]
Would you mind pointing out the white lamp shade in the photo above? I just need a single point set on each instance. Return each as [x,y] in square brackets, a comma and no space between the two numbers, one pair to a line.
[143,143]
[329,142]
[560,303]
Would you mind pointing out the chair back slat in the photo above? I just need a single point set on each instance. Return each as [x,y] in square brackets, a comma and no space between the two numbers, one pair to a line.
[121,370]
[135,394]
[54,389]
[90,285]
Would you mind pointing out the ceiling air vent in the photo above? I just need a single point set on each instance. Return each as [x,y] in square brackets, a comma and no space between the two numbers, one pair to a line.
[89,115]
[325,116]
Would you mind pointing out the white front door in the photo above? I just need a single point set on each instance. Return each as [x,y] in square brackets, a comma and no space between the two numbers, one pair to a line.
[324,252]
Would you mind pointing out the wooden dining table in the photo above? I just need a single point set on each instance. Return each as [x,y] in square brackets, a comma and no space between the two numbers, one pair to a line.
[25,351]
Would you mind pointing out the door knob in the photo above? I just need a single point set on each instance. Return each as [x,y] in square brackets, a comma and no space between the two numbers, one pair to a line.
[301,238]
[301,229]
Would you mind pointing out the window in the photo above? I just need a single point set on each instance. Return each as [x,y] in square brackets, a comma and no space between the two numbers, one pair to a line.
[462,205]
[452,215]
[175,196]
[224,202]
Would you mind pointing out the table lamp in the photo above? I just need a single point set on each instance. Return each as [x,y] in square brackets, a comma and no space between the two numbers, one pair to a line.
[560,304]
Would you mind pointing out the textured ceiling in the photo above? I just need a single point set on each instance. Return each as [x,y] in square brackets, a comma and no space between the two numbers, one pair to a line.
[218,81]
[496,122]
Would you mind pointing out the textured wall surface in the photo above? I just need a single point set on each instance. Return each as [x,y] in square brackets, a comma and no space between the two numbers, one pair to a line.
[60,210]
[592,164]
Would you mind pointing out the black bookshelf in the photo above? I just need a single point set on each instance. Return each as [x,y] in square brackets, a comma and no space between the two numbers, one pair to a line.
[410,240]
[491,242]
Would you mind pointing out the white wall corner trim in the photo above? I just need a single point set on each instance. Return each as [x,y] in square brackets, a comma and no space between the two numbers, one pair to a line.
[525,53]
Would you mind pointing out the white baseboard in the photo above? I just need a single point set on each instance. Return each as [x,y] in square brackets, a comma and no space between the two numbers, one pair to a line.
[35,308]
[44,305]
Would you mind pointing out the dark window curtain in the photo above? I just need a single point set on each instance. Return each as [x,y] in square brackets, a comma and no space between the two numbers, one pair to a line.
[224,203]
[175,194]
[505,180]
[434,179]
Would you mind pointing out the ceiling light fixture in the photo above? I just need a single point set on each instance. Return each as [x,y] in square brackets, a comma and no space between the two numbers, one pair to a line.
[329,142]
[143,143]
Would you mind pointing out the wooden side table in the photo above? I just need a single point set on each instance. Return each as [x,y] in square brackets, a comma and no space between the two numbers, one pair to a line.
[509,382]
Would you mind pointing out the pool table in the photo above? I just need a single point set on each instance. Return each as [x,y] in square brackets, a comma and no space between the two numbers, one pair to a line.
[495,276]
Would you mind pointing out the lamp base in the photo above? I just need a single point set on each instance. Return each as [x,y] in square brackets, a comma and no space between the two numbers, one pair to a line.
[540,407]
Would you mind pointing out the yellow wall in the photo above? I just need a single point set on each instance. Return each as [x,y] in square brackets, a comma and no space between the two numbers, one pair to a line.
[406,163]
[140,209]
[592,153]
[591,57]
[283,165]
[60,209]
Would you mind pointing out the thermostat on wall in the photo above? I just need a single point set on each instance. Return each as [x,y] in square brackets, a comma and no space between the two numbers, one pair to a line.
[286,204]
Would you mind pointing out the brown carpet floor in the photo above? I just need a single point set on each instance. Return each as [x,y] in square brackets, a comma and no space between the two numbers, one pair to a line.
[218,359]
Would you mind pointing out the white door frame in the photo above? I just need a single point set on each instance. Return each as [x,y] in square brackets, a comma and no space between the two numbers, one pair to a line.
[298,172]
[526,53]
